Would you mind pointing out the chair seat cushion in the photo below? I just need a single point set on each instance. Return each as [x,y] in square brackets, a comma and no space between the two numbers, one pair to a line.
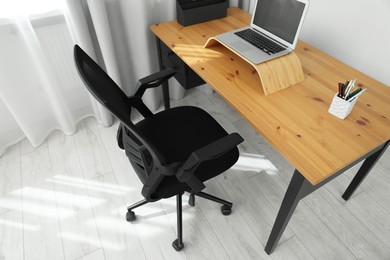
[178,132]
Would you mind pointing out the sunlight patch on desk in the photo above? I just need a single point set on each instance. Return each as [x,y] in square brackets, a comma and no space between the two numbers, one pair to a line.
[192,56]
[255,163]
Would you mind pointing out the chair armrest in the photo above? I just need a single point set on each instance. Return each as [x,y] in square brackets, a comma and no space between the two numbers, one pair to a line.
[218,148]
[153,80]
[208,152]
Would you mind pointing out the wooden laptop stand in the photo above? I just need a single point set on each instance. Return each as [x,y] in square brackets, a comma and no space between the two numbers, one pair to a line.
[276,74]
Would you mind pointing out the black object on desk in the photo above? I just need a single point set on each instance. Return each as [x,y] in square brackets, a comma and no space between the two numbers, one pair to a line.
[197,11]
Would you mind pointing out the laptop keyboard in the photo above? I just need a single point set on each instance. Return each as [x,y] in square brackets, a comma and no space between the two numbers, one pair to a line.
[259,41]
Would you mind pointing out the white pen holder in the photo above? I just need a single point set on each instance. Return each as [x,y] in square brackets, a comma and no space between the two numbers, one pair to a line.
[341,107]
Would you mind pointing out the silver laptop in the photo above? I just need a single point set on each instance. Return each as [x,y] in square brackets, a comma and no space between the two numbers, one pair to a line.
[273,31]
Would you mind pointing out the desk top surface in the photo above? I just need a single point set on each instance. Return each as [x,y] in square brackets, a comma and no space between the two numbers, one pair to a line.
[294,120]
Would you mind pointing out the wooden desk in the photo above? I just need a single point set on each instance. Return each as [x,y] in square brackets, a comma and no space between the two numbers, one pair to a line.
[295,120]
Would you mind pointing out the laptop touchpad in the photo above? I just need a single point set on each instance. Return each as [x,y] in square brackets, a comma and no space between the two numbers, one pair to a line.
[241,46]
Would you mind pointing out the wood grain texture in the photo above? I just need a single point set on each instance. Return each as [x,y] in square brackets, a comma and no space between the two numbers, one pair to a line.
[346,226]
[71,192]
[39,208]
[276,74]
[90,147]
[11,238]
[238,238]
[313,233]
[10,180]
[295,121]
[96,255]
[200,242]
[118,239]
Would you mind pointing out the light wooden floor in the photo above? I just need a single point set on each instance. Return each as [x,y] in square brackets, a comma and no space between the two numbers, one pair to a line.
[67,200]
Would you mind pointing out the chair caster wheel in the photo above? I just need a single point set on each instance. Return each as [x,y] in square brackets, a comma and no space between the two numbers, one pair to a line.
[191,200]
[177,246]
[130,216]
[226,210]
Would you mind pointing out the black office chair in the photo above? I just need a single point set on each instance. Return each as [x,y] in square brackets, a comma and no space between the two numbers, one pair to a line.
[173,151]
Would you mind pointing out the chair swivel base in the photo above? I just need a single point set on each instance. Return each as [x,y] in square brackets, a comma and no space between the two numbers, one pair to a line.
[191,200]
[177,246]
[226,209]
[130,216]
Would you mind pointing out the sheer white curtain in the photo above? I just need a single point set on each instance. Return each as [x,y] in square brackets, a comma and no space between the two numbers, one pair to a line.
[40,90]
[33,98]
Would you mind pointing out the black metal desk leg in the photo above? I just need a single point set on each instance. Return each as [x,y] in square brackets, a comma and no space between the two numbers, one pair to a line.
[165,86]
[366,167]
[295,191]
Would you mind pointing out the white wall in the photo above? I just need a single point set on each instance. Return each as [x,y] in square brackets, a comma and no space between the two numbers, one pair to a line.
[356,32]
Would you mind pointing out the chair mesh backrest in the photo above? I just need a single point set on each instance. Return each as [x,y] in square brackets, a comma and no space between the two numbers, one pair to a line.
[107,92]
[102,87]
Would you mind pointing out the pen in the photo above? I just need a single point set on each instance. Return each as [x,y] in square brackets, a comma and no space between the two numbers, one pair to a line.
[357,95]
[340,89]
[350,86]
[354,93]
[345,88]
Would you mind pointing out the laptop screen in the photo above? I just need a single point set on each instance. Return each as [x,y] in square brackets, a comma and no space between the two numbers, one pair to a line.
[279,17]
